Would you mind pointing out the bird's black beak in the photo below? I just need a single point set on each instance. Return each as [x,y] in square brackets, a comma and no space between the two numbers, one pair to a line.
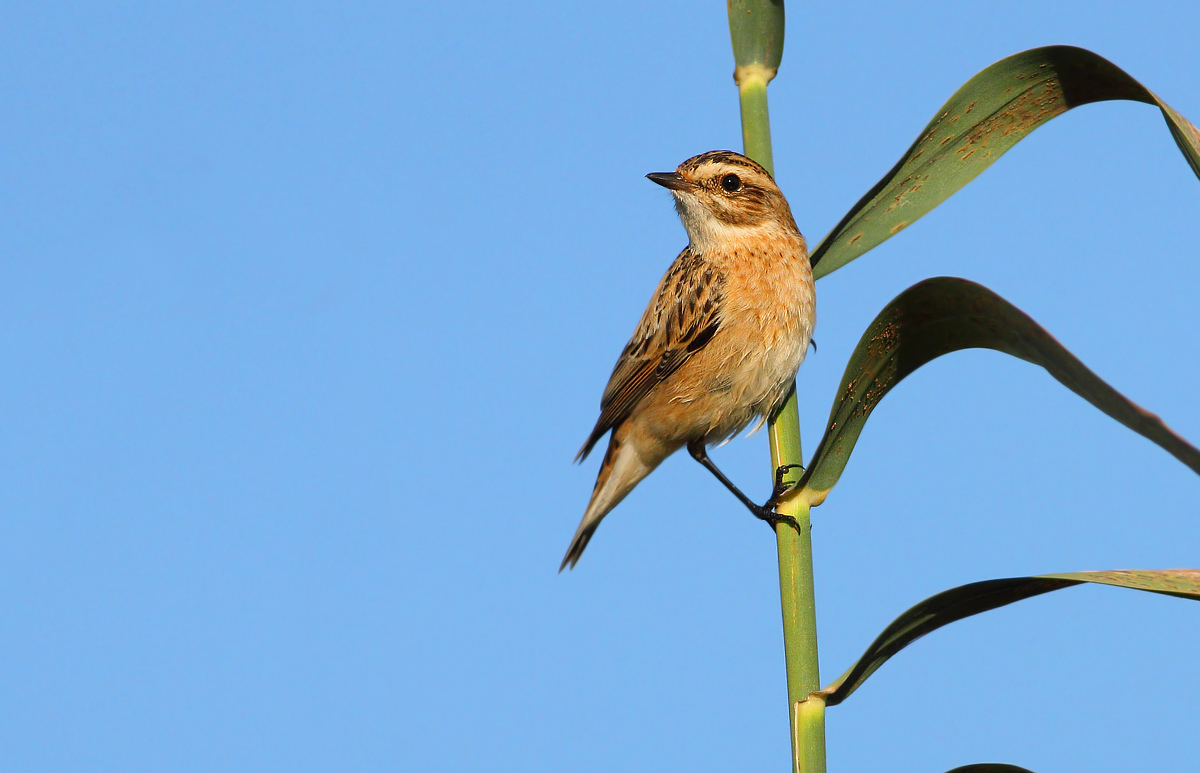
[671,180]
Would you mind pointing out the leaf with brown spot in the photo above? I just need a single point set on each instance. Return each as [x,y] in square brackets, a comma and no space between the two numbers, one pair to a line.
[968,600]
[1005,103]
[943,315]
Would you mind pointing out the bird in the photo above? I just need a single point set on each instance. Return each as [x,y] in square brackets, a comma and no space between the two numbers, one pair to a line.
[720,342]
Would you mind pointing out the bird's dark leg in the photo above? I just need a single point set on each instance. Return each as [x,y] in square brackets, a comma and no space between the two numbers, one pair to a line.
[762,512]
[700,454]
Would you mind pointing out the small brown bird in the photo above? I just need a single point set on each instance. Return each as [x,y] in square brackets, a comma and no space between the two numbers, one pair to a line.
[721,340]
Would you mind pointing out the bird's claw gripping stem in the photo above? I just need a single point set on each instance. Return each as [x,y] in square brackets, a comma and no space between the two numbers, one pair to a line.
[767,513]
[782,488]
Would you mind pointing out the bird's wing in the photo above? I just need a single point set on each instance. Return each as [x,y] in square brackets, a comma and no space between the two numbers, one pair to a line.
[682,317]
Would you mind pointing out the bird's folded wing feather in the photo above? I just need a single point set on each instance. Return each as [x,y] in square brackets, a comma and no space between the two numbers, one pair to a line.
[682,317]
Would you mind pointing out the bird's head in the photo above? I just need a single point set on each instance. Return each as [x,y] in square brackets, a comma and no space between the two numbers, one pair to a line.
[724,197]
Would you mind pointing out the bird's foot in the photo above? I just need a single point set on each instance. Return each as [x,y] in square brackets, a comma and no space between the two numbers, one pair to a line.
[767,513]
[781,487]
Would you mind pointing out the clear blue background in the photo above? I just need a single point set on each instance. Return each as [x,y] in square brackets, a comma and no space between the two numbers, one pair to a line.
[305,309]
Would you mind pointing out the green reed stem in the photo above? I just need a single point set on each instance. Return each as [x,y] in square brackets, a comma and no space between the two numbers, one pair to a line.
[756,122]
[796,593]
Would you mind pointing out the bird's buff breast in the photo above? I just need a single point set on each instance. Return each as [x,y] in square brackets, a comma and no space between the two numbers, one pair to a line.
[748,367]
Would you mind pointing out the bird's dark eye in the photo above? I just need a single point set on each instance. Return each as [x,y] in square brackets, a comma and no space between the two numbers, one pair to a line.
[731,183]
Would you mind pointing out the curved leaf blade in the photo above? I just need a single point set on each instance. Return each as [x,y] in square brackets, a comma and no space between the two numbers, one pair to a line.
[990,767]
[943,315]
[968,600]
[990,114]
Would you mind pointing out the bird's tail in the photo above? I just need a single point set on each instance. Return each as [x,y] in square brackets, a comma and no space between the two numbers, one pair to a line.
[622,469]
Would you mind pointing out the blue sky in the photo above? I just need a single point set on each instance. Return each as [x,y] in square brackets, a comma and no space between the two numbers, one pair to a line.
[304,312]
